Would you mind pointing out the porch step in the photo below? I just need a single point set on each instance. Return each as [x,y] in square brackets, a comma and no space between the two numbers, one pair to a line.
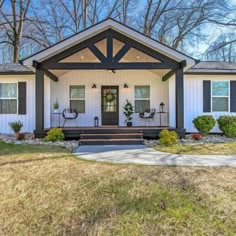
[112,136]
[103,130]
[111,141]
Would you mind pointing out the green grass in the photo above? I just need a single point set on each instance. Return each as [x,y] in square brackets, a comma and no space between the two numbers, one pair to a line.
[46,191]
[201,149]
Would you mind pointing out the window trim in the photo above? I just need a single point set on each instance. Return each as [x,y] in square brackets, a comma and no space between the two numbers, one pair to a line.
[78,99]
[142,99]
[11,98]
[217,96]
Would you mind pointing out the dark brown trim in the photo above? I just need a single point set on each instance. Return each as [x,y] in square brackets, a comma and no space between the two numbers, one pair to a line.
[110,118]
[233,96]
[104,66]
[168,75]
[51,75]
[143,48]
[37,65]
[22,95]
[210,73]
[121,53]
[179,94]
[76,48]
[109,48]
[39,100]
[97,53]
[206,96]
[109,34]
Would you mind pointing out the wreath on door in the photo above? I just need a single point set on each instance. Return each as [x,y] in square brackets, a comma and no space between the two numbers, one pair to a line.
[109,97]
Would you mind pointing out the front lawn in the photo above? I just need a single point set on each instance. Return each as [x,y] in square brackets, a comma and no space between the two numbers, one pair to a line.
[200,149]
[46,191]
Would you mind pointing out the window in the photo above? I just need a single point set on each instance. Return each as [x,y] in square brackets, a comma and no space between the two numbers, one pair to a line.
[77,98]
[220,96]
[8,98]
[142,98]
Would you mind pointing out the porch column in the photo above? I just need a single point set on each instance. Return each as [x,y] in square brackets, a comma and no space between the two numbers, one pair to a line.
[39,100]
[179,93]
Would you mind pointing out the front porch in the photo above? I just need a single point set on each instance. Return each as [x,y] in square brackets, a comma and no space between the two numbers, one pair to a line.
[80,70]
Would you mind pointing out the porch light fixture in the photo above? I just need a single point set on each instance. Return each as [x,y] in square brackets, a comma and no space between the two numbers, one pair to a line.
[126,85]
[94,86]
[82,57]
[138,57]
[113,71]
[162,107]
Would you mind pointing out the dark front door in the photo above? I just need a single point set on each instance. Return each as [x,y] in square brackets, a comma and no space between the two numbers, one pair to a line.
[110,105]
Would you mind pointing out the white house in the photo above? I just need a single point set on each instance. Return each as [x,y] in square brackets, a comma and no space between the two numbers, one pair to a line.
[110,59]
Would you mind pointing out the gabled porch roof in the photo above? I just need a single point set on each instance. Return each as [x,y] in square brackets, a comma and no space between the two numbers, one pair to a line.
[101,27]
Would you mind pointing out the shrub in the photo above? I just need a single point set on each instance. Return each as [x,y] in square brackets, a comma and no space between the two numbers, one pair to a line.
[227,124]
[168,138]
[16,126]
[196,136]
[54,135]
[204,124]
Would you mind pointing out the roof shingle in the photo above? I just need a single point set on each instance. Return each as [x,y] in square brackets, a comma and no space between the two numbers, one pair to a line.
[214,67]
[14,68]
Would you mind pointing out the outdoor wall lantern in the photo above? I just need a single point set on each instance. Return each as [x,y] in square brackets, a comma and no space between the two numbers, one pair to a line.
[162,107]
[96,121]
[126,85]
[94,86]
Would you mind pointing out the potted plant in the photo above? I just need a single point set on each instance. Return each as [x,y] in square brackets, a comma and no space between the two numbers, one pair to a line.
[196,136]
[16,126]
[56,106]
[128,112]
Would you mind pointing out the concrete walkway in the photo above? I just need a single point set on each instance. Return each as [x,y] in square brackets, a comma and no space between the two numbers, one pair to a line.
[140,154]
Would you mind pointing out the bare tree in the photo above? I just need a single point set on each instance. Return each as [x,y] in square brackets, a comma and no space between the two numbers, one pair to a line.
[223,48]
[13,23]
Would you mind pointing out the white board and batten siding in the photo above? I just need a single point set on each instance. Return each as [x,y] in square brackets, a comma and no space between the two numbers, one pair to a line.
[193,98]
[159,92]
[28,120]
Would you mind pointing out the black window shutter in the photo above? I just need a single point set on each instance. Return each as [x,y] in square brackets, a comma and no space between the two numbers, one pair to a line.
[232,96]
[21,98]
[206,96]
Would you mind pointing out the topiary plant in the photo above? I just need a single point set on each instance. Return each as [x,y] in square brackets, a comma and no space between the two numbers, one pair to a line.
[227,124]
[128,112]
[168,138]
[204,124]
[16,126]
[54,134]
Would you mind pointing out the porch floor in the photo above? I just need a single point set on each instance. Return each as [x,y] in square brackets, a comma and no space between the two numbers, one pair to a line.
[149,132]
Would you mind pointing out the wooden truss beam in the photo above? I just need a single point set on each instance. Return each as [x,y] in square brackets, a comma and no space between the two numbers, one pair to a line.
[182,64]
[110,61]
[49,74]
[109,66]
